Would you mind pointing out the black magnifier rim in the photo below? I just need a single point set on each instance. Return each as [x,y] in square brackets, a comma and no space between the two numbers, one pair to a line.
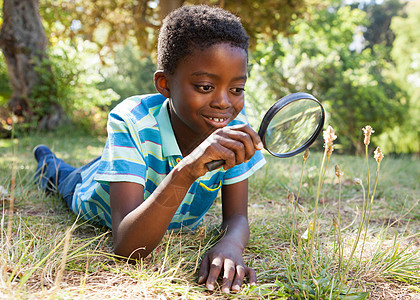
[274,109]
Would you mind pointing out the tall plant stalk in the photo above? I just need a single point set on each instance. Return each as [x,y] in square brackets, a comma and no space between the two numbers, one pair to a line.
[329,137]
[295,203]
[359,230]
[378,156]
[367,200]
[339,174]
[367,131]
[313,227]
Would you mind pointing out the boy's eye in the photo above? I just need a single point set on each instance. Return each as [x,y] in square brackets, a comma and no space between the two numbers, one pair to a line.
[238,91]
[204,88]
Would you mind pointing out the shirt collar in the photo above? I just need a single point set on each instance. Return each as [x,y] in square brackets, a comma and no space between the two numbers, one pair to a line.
[169,143]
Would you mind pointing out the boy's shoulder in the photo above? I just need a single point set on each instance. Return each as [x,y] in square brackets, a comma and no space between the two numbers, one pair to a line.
[139,105]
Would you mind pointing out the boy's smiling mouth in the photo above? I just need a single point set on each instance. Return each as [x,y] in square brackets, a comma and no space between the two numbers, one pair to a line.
[217,121]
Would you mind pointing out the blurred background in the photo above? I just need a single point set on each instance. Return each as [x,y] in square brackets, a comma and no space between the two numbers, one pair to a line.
[68,62]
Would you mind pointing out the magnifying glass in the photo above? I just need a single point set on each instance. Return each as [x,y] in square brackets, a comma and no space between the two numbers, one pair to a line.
[289,127]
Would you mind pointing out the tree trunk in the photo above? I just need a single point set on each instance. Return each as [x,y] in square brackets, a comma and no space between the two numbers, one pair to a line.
[22,39]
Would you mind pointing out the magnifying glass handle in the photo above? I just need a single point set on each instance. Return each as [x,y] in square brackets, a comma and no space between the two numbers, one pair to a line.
[215,164]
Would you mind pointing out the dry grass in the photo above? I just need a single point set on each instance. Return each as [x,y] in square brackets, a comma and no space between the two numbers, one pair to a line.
[32,263]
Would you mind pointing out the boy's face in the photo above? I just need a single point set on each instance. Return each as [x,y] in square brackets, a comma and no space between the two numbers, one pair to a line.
[207,90]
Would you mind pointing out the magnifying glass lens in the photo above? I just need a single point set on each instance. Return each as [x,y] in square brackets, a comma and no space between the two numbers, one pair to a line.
[289,127]
[293,126]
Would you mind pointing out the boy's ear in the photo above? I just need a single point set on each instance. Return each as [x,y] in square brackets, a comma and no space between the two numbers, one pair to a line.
[162,84]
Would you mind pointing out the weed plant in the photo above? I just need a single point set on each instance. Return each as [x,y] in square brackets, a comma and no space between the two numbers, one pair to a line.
[315,234]
[320,267]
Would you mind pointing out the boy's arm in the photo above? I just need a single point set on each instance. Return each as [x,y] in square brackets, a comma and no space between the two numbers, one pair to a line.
[225,257]
[138,225]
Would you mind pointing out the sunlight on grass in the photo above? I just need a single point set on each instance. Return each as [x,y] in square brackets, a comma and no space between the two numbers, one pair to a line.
[5,143]
[53,254]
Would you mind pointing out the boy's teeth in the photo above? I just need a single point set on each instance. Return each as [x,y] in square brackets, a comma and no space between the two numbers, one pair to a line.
[216,119]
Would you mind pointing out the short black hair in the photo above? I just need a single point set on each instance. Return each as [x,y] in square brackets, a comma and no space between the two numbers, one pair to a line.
[197,27]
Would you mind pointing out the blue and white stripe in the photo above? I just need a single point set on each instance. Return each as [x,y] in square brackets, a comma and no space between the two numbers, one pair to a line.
[141,148]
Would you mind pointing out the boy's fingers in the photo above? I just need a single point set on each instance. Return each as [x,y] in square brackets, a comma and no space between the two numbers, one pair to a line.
[203,272]
[252,277]
[254,136]
[229,274]
[246,147]
[237,147]
[239,141]
[233,144]
[215,268]
[239,278]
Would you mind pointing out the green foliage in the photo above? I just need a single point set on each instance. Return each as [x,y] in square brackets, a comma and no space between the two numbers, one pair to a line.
[56,19]
[51,86]
[356,86]
[405,137]
[68,77]
[319,59]
[363,96]
[265,18]
[112,23]
[130,74]
[5,90]
[378,32]
[406,45]
[81,58]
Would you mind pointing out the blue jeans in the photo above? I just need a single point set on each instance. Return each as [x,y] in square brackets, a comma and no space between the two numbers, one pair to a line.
[54,175]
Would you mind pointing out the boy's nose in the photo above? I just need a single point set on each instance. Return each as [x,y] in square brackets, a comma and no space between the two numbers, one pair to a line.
[221,101]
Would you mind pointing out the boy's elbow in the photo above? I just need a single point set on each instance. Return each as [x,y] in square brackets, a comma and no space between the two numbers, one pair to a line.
[131,254]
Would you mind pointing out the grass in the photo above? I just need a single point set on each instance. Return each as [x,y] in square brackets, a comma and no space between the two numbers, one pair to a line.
[52,254]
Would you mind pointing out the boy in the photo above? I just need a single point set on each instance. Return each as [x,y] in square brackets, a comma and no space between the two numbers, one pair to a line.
[152,175]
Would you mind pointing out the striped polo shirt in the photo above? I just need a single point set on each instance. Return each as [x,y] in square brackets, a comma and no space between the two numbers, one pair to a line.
[141,147]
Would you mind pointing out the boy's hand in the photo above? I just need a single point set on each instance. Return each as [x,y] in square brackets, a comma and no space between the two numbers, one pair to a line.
[233,144]
[225,259]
